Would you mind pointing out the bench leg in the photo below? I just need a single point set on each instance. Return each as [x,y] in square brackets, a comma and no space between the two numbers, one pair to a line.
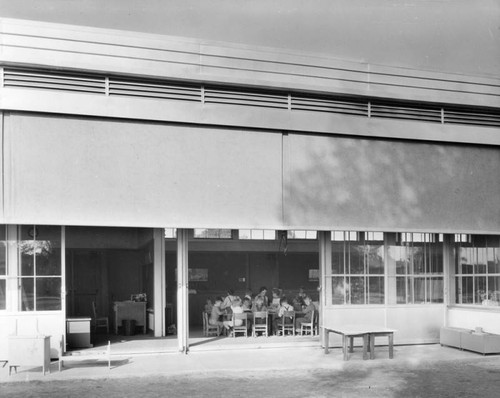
[365,346]
[391,345]
[344,348]
[372,346]
[351,344]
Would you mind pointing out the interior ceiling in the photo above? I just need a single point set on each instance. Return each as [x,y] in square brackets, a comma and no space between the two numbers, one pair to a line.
[453,36]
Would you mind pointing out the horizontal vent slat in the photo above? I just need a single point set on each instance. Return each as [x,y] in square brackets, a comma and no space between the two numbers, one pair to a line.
[243,98]
[53,81]
[395,111]
[332,106]
[168,90]
[34,75]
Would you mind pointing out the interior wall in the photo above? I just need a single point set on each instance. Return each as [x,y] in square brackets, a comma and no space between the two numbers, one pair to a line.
[242,270]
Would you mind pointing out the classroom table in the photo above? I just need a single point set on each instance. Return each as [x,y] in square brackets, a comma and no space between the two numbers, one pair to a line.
[366,332]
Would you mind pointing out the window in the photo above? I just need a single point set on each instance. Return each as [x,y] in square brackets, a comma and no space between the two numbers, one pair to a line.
[299,234]
[170,233]
[208,233]
[3,267]
[477,272]
[357,268]
[418,260]
[39,268]
[257,234]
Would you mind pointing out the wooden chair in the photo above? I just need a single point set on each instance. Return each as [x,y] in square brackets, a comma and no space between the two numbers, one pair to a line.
[101,321]
[243,328]
[209,330]
[287,327]
[308,327]
[260,327]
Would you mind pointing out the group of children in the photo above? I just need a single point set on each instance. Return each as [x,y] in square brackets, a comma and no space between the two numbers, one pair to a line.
[278,307]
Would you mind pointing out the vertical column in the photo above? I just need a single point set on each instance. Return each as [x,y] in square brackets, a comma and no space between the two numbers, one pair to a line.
[390,268]
[63,287]
[448,275]
[159,281]
[182,291]
[13,304]
[325,269]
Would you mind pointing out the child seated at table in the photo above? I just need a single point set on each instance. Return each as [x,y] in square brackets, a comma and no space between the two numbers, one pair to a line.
[236,309]
[308,312]
[280,318]
[275,303]
[216,314]
[208,306]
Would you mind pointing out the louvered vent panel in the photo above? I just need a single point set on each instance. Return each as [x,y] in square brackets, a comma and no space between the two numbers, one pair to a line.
[54,81]
[246,98]
[144,89]
[348,107]
[472,117]
[399,111]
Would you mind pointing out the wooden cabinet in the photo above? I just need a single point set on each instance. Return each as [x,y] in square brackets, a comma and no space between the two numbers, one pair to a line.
[29,351]
[78,332]
[130,310]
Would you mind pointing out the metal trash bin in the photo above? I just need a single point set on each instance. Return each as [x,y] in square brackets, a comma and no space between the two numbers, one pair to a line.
[128,327]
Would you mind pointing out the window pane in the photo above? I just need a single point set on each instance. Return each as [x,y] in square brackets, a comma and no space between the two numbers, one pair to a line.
[3,252]
[357,290]
[2,294]
[436,258]
[481,260]
[338,290]
[418,260]
[375,259]
[493,261]
[338,258]
[494,290]
[244,234]
[208,233]
[466,260]
[27,293]
[356,259]
[258,234]
[401,294]
[481,291]
[27,250]
[465,294]
[48,294]
[376,290]
[419,291]
[399,255]
[269,234]
[435,290]
[48,258]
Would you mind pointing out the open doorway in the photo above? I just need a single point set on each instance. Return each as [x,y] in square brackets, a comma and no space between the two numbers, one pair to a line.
[108,271]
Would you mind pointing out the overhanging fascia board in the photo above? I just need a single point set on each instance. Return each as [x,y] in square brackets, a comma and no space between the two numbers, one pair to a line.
[63,103]
[40,44]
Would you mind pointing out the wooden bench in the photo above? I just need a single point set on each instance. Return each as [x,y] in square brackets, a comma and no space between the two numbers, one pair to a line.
[367,333]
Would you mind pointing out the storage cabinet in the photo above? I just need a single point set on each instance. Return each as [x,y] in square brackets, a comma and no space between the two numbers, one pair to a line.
[78,332]
[29,351]
[465,339]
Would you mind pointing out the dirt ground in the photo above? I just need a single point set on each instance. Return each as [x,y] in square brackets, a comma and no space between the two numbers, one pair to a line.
[478,377]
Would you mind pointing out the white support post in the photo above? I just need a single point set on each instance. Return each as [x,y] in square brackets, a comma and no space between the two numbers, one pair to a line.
[159,281]
[182,291]
[448,275]
[63,287]
[325,268]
